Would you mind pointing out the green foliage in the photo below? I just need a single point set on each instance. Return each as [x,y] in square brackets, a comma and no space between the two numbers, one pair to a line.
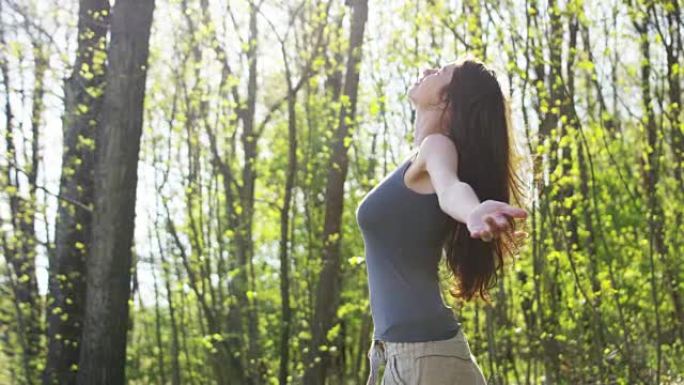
[595,295]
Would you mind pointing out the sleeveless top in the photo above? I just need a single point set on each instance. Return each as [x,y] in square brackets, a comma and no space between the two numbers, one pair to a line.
[403,232]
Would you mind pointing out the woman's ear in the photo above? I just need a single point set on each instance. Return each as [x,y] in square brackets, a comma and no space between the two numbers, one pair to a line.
[444,94]
[445,117]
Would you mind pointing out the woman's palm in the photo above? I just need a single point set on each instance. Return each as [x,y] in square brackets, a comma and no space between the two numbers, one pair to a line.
[492,218]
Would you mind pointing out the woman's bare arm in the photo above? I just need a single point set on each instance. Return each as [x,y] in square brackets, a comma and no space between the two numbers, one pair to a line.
[438,156]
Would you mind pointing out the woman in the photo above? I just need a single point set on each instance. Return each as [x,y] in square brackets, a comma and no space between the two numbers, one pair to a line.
[454,195]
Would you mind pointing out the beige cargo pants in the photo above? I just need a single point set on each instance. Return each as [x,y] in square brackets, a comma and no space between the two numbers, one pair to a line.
[445,362]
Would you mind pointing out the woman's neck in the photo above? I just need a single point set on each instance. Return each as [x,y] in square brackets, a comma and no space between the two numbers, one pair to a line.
[428,121]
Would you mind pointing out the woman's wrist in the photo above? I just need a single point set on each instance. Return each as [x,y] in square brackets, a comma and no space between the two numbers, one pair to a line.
[460,201]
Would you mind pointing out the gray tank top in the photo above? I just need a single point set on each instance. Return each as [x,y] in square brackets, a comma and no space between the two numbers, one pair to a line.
[403,233]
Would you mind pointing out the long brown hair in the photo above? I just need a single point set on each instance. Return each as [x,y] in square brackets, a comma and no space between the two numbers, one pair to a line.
[479,123]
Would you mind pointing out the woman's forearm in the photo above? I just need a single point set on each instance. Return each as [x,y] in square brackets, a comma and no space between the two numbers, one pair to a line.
[458,200]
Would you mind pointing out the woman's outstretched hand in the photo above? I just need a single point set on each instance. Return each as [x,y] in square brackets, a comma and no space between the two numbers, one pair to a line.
[491,218]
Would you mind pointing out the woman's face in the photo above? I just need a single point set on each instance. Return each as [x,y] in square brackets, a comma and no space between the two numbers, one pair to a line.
[425,91]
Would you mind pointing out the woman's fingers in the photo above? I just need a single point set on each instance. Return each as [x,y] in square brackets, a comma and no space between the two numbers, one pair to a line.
[484,233]
[515,212]
[496,223]
[490,229]
[495,226]
[480,233]
[489,220]
[502,223]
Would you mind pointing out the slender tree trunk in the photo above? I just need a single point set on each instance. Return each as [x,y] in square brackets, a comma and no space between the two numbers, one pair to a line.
[171,306]
[158,332]
[117,144]
[19,249]
[257,366]
[673,50]
[284,247]
[328,289]
[67,273]
[650,175]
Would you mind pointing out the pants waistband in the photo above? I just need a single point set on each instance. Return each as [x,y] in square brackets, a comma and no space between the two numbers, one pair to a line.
[380,351]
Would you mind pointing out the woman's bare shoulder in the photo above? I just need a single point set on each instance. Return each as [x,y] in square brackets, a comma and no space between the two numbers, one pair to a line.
[436,148]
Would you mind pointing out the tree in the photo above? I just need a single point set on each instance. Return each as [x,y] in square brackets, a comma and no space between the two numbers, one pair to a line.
[329,285]
[103,345]
[67,273]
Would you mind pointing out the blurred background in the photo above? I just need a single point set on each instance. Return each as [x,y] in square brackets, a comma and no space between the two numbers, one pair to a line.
[179,180]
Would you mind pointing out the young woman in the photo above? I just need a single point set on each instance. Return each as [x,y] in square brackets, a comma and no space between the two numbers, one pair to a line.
[452,193]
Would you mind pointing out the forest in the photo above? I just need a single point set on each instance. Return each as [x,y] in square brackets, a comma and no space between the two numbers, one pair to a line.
[178,183]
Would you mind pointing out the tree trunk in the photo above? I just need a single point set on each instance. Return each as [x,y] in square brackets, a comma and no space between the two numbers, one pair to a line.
[328,289]
[19,249]
[67,282]
[650,175]
[103,348]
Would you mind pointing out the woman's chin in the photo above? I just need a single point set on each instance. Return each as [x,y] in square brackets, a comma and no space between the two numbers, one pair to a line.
[410,92]
[413,100]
